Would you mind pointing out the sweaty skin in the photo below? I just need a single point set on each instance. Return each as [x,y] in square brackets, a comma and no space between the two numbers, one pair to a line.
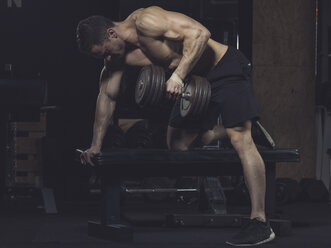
[149,36]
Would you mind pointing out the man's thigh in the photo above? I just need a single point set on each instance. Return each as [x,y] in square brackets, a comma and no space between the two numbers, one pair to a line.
[181,138]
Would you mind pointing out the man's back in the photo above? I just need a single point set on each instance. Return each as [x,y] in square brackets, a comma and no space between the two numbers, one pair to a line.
[157,36]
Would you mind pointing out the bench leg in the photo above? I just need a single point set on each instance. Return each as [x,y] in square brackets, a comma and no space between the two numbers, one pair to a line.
[270,198]
[110,227]
[110,205]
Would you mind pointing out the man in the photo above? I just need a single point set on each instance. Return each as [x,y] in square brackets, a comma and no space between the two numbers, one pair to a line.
[177,42]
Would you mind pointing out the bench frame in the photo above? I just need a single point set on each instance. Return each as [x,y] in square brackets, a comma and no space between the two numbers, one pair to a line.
[114,165]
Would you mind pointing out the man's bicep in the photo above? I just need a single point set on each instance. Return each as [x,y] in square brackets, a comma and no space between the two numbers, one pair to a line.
[110,82]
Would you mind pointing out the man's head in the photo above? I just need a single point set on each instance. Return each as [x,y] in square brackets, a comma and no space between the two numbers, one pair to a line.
[96,36]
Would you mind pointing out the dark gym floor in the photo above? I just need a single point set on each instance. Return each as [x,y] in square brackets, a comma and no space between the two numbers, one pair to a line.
[311,229]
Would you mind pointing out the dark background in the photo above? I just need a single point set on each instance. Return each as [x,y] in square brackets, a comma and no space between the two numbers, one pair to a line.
[38,40]
[289,44]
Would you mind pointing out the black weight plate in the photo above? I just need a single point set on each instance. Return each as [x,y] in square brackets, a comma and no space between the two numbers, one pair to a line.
[153,85]
[195,98]
[208,96]
[163,84]
[143,86]
[185,105]
[204,84]
[159,87]
[156,85]
[200,98]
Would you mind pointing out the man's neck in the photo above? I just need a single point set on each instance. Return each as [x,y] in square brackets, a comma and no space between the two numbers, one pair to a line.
[126,31]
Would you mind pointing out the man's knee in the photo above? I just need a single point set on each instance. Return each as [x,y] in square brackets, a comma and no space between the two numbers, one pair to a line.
[241,140]
[209,136]
[240,137]
[177,146]
[179,139]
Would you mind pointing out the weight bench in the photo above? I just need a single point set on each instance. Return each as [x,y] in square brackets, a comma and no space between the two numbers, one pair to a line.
[114,164]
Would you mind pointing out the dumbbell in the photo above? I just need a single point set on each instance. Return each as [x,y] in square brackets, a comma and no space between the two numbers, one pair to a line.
[140,135]
[314,190]
[287,190]
[151,91]
[114,137]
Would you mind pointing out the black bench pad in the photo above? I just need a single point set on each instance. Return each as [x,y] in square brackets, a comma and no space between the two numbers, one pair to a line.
[193,162]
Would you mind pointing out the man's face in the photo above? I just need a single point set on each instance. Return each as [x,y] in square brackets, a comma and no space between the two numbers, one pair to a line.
[112,48]
[101,52]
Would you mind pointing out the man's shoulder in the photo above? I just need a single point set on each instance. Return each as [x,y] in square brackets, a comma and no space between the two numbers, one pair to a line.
[152,9]
[141,12]
[149,11]
[150,19]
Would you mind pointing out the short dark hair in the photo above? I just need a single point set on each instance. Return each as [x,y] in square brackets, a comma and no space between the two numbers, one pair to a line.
[92,31]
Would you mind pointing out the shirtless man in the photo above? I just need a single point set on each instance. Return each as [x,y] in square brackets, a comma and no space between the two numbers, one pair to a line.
[177,42]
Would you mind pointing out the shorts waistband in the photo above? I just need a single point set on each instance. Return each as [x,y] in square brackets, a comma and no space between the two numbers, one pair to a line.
[233,54]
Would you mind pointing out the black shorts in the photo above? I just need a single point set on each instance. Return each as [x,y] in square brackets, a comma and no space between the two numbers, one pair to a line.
[232,95]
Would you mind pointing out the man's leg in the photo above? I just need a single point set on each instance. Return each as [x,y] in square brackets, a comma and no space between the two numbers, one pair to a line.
[217,133]
[257,230]
[253,167]
[260,136]
[181,139]
[241,139]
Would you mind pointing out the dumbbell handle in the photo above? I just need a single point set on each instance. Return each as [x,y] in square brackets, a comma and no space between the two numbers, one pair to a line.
[186,95]
[141,84]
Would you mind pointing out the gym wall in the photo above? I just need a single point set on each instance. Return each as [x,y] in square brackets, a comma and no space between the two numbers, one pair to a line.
[284,80]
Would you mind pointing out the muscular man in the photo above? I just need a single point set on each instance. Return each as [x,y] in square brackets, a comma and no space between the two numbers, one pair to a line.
[177,42]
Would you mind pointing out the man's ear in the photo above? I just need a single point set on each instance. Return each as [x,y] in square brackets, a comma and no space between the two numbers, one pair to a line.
[111,33]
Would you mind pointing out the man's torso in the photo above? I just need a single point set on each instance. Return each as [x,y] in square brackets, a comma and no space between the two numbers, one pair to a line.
[168,53]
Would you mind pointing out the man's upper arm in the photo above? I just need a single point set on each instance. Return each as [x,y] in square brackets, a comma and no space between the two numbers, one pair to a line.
[110,81]
[156,22]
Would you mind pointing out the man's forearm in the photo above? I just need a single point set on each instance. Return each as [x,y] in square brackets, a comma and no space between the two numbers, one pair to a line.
[103,115]
[193,48]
